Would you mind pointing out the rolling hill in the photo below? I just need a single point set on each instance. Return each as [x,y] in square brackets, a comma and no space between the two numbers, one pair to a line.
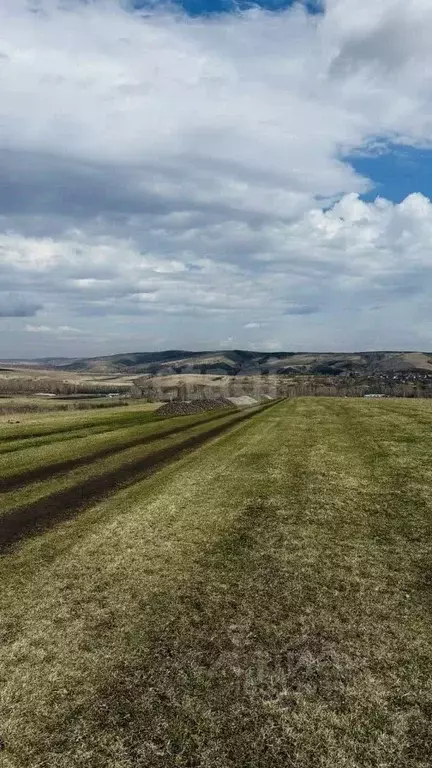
[245,362]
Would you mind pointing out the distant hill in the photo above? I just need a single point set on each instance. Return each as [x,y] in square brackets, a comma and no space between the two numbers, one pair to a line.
[244,362]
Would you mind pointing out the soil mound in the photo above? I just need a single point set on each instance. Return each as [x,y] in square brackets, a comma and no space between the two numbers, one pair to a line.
[186,407]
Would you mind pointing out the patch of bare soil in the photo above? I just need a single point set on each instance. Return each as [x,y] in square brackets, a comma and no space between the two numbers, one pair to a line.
[185,407]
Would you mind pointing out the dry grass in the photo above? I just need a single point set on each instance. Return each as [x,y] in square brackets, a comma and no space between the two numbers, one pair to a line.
[49,412]
[39,373]
[126,446]
[264,603]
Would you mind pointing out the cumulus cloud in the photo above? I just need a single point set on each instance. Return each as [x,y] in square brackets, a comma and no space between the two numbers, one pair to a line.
[294,268]
[156,168]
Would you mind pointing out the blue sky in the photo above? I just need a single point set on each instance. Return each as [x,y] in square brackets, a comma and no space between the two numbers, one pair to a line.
[215,178]
[396,172]
[203,7]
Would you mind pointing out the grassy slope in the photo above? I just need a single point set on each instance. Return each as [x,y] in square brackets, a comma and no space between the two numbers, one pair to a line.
[63,422]
[123,456]
[265,602]
[19,456]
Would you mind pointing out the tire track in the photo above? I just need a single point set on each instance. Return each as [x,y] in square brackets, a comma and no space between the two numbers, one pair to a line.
[37,517]
[69,433]
[12,482]
[62,430]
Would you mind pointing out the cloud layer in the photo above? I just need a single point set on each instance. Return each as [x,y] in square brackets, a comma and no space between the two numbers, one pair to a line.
[173,181]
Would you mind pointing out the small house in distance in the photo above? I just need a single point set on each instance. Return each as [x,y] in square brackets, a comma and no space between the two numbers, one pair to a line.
[374,395]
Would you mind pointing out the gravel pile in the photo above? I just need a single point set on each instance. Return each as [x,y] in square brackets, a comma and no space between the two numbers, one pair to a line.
[185,407]
[243,401]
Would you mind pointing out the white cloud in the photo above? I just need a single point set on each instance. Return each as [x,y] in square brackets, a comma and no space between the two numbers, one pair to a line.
[344,255]
[163,169]
[68,329]
[37,329]
[60,331]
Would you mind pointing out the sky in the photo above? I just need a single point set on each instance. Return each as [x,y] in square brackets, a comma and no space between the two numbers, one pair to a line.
[211,174]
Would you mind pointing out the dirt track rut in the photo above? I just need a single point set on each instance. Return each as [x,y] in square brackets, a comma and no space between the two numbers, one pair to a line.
[50,470]
[45,513]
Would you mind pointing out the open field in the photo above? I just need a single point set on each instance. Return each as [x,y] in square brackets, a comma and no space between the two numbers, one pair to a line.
[43,374]
[46,410]
[25,382]
[25,387]
[18,409]
[231,590]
